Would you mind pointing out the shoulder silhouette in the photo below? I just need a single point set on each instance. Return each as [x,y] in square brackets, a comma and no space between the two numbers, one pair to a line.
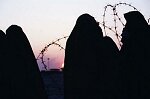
[110,69]
[3,68]
[2,43]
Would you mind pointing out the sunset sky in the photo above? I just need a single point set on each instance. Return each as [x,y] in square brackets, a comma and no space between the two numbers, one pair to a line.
[43,21]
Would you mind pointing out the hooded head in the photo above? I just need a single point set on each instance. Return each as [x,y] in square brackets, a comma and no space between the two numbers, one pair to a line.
[136,26]
[87,23]
[17,37]
[135,21]
[86,26]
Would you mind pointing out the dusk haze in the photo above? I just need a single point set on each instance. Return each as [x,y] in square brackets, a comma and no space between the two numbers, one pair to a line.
[44,21]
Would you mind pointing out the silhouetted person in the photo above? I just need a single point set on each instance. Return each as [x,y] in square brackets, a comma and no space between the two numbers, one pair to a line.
[25,78]
[135,54]
[85,61]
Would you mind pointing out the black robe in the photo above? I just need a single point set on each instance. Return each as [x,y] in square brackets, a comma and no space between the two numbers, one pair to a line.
[110,69]
[25,79]
[85,61]
[135,57]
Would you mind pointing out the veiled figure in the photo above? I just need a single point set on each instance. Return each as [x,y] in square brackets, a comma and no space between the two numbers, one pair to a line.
[85,61]
[24,75]
[135,54]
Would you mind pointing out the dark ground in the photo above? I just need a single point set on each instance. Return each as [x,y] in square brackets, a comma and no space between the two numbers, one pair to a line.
[53,81]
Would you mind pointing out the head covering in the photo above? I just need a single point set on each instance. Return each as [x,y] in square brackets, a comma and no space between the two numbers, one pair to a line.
[26,81]
[135,21]
[86,24]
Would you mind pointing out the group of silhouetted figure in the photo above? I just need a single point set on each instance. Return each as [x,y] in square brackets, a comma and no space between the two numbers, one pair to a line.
[20,77]
[95,68]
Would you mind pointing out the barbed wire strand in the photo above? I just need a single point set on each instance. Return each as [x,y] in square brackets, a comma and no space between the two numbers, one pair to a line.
[116,18]
[42,52]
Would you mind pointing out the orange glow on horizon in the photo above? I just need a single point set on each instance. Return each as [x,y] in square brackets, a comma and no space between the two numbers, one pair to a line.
[62,66]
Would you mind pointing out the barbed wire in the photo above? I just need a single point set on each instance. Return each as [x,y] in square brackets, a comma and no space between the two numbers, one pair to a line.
[116,18]
[43,51]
